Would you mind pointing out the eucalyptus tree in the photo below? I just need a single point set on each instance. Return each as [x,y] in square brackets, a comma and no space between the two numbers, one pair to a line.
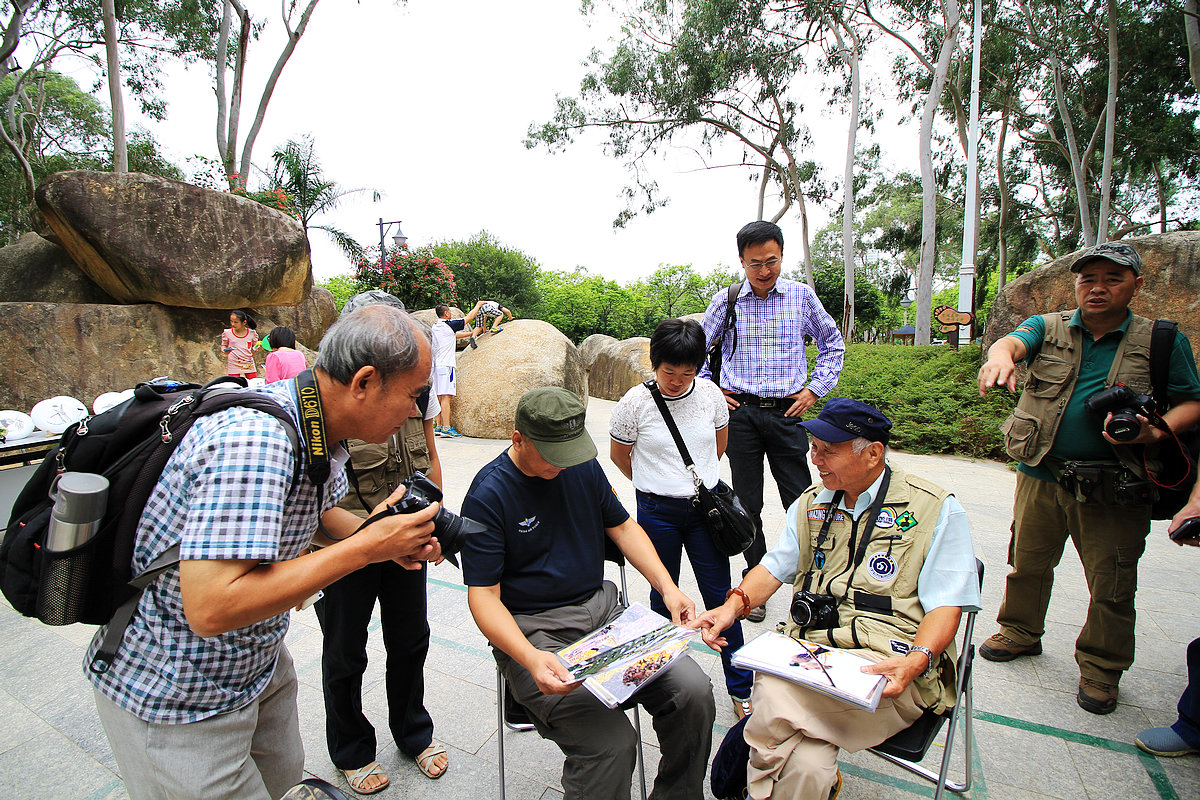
[707,76]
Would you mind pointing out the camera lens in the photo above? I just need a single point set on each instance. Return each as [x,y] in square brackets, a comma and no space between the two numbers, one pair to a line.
[1124,426]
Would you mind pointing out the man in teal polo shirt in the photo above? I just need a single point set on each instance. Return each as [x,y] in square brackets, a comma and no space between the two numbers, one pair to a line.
[1074,480]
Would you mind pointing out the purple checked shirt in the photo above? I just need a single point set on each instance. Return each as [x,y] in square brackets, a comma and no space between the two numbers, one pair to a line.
[770,360]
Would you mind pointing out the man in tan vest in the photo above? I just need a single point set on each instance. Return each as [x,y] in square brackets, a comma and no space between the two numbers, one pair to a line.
[888,556]
[1075,479]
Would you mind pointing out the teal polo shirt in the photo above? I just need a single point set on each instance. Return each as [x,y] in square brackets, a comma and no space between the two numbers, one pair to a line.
[1078,437]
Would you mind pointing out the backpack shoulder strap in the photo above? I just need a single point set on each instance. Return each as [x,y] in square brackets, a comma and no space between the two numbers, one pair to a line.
[1162,342]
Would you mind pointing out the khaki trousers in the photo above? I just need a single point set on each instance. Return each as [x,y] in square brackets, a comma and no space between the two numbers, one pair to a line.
[795,733]
[1109,539]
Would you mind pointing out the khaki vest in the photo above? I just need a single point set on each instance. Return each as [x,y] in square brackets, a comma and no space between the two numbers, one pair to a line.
[1030,430]
[380,467]
[881,610]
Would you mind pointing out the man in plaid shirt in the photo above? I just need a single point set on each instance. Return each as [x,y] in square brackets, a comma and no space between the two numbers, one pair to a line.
[200,701]
[764,374]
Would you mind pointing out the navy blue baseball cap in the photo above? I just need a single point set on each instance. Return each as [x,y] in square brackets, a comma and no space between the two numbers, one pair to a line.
[842,419]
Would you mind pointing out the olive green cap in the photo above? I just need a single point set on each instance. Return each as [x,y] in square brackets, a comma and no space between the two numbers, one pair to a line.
[552,418]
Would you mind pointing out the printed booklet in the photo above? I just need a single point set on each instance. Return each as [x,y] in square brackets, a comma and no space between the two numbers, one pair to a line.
[828,670]
[616,660]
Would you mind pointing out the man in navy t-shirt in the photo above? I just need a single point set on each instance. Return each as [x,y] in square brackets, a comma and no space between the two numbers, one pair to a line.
[536,584]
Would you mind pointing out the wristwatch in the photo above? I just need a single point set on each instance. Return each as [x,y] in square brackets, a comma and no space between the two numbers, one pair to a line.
[928,655]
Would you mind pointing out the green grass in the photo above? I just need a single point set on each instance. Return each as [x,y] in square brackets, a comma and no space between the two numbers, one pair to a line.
[931,396]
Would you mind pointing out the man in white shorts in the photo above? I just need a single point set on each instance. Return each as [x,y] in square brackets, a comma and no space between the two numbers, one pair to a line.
[446,333]
[492,311]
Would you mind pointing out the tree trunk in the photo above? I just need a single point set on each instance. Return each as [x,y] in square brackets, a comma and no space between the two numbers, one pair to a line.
[1005,200]
[1077,166]
[1110,126]
[1191,24]
[269,89]
[108,11]
[928,188]
[1161,189]
[850,56]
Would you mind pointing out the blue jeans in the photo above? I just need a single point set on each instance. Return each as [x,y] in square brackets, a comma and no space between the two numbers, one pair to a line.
[673,523]
[1188,725]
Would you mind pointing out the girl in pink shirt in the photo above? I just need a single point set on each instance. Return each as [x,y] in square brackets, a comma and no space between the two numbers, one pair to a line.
[284,361]
[237,343]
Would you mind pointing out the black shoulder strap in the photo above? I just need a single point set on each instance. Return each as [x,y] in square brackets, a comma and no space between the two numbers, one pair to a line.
[671,426]
[1162,342]
[716,352]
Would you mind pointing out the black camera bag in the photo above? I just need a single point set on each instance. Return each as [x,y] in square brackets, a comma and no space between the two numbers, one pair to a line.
[1178,456]
[129,445]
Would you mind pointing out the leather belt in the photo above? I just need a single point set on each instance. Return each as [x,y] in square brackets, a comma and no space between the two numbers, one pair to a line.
[762,402]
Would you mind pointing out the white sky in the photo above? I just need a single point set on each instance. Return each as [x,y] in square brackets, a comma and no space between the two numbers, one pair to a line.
[428,103]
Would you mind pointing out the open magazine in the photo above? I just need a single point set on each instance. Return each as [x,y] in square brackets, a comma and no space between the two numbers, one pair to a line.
[828,670]
[616,660]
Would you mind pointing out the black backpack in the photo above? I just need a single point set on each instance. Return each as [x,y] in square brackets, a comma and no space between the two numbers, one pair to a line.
[728,325]
[129,445]
[727,778]
[1178,458]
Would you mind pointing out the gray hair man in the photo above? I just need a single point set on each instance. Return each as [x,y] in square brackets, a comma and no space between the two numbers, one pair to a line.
[203,669]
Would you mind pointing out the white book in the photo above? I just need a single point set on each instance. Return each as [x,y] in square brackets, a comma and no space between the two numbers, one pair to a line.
[829,670]
[617,659]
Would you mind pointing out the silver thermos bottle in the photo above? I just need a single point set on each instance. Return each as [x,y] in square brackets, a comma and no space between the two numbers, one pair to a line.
[80,499]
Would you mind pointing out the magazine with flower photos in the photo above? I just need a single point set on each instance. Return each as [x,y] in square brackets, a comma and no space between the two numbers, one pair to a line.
[825,669]
[617,659]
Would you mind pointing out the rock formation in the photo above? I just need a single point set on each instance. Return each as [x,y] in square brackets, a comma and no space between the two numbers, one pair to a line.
[528,354]
[592,346]
[308,321]
[38,271]
[619,366]
[145,239]
[1170,265]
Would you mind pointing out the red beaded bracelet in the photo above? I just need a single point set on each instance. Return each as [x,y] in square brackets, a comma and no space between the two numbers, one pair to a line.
[745,612]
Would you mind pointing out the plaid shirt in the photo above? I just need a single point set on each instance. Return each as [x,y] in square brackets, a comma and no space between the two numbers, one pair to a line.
[224,494]
[770,359]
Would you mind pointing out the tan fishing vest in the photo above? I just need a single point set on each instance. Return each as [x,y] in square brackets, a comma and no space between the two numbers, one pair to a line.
[881,610]
[1030,430]
[380,467]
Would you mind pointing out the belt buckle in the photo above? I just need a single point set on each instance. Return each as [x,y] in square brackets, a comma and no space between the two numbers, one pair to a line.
[767,402]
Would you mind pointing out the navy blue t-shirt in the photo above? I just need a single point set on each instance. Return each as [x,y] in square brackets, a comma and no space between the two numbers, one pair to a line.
[544,542]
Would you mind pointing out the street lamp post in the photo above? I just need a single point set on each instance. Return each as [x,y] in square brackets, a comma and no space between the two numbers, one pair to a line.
[399,238]
[905,303]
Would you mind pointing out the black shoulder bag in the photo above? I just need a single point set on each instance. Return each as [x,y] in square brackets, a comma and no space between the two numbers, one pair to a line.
[1177,474]
[729,325]
[731,527]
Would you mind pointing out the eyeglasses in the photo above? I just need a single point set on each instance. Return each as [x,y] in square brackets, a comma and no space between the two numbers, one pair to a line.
[770,263]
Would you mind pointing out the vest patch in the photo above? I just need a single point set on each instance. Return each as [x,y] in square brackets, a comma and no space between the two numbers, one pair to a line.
[882,567]
[886,518]
[898,647]
[819,559]
[906,521]
[818,514]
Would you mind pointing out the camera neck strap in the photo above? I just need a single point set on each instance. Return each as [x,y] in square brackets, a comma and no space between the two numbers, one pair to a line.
[872,514]
[316,444]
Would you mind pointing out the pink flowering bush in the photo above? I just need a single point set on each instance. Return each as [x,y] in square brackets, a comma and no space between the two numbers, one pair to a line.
[418,277]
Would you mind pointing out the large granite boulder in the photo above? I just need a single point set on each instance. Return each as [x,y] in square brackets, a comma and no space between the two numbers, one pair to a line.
[143,239]
[527,354]
[35,270]
[618,367]
[1170,265]
[308,321]
[85,350]
[592,346]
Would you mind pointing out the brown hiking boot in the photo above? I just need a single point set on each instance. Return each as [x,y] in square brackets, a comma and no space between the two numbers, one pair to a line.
[1097,697]
[1001,648]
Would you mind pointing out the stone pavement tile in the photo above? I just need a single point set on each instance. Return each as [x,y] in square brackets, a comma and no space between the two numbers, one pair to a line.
[51,766]
[1153,692]
[998,790]
[20,724]
[1110,774]
[1054,708]
[526,755]
[1183,772]
[1028,761]
[464,715]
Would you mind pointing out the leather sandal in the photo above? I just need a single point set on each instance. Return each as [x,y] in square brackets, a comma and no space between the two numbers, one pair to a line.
[357,777]
[426,758]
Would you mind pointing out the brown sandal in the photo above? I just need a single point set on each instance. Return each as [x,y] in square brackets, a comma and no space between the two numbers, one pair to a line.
[356,778]
[425,761]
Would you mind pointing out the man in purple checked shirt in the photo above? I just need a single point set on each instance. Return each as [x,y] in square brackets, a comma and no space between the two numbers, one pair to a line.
[764,374]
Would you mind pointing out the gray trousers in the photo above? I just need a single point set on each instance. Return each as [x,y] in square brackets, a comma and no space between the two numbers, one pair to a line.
[600,743]
[254,753]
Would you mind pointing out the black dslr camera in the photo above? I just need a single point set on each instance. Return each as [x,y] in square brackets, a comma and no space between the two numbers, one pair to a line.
[1125,405]
[449,528]
[812,610]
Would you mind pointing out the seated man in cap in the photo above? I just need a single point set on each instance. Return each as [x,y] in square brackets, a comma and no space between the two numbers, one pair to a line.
[536,583]
[889,556]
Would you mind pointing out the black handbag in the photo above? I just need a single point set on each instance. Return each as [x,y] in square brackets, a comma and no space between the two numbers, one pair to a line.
[729,524]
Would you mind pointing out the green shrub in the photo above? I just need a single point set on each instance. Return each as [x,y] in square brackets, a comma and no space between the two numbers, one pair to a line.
[931,396]
[343,287]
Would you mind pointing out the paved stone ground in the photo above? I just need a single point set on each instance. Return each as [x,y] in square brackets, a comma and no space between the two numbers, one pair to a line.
[1032,740]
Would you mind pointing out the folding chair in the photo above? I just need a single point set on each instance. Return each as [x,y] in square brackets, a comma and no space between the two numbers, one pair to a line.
[908,747]
[510,714]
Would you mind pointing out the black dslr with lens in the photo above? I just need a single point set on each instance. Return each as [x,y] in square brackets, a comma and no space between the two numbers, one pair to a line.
[450,529]
[1125,405]
[812,610]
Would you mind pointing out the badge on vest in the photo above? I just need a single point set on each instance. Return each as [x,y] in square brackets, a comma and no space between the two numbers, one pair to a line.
[818,514]
[906,521]
[886,518]
[882,566]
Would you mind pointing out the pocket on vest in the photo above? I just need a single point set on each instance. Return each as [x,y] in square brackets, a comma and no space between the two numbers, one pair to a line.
[1020,434]
[1048,377]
